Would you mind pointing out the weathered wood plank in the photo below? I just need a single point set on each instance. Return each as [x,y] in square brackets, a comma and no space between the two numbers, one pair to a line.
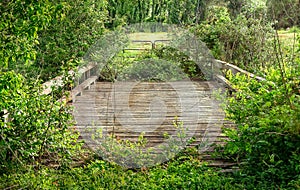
[127,109]
[78,90]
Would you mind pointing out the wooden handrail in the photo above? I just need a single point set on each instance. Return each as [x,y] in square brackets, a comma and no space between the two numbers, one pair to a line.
[84,72]
[90,72]
[222,65]
[235,69]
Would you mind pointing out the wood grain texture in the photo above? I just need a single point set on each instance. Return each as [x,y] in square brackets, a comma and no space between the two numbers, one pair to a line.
[128,109]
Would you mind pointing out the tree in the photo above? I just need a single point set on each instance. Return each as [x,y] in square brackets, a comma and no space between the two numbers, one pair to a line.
[245,40]
[20,23]
[235,6]
[181,12]
[285,13]
[78,25]
[37,125]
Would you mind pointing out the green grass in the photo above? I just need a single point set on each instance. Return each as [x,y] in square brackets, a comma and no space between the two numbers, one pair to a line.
[185,172]
[287,37]
[132,50]
[149,36]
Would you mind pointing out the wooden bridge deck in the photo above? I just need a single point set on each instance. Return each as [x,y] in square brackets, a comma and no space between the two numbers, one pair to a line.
[128,109]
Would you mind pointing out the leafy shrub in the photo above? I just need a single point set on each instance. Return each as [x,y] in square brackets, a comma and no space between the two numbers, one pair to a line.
[160,64]
[266,138]
[37,126]
[188,66]
[76,27]
[244,41]
[137,153]
[152,70]
[284,13]
[186,172]
[20,22]
[209,31]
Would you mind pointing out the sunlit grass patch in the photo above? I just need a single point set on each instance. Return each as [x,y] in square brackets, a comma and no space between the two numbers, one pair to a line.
[288,37]
[149,36]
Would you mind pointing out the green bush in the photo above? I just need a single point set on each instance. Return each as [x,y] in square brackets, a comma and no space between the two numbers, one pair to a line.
[210,30]
[184,62]
[186,172]
[266,140]
[160,64]
[20,23]
[69,35]
[245,41]
[40,37]
[36,129]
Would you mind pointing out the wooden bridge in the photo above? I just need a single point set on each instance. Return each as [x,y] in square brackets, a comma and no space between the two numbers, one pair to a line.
[183,112]
[127,109]
[161,111]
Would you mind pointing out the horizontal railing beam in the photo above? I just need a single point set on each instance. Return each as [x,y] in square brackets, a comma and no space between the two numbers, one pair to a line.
[84,74]
[222,65]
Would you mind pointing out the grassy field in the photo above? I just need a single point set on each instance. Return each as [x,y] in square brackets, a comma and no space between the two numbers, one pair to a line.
[288,37]
[136,48]
[149,36]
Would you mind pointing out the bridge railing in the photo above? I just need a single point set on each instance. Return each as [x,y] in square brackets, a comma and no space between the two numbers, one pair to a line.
[152,44]
[88,75]
[221,66]
[85,77]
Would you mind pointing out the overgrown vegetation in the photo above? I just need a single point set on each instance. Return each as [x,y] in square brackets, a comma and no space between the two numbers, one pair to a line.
[246,41]
[40,40]
[77,26]
[266,140]
[186,172]
[160,64]
[36,128]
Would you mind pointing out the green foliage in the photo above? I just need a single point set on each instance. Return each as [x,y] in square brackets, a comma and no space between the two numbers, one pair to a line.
[186,172]
[70,35]
[160,64]
[249,43]
[36,127]
[211,29]
[252,8]
[38,37]
[124,152]
[20,22]
[284,13]
[267,114]
[127,11]
[42,38]
[245,41]
[188,66]
[152,70]
[136,153]
[235,6]
[181,12]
